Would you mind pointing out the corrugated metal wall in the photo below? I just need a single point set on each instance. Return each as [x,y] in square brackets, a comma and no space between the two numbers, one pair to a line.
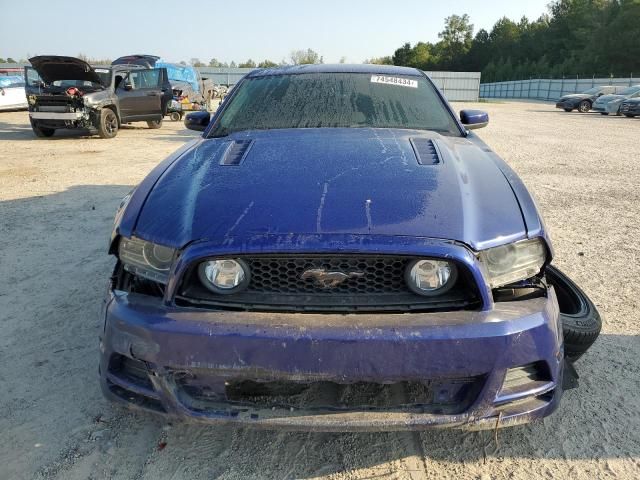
[548,89]
[457,86]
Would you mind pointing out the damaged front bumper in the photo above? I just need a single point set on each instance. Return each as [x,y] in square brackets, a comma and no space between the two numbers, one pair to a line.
[332,372]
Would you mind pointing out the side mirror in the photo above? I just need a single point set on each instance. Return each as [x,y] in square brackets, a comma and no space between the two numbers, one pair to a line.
[472,119]
[128,86]
[197,120]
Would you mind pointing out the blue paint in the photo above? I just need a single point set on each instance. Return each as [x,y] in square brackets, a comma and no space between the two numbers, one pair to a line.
[345,190]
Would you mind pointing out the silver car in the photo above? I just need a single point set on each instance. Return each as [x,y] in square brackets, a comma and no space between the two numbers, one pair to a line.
[607,104]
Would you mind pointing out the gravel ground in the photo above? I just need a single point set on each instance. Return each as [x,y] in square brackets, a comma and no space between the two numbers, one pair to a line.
[57,201]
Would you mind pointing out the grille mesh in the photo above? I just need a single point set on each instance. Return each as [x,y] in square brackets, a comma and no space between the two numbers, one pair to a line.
[284,275]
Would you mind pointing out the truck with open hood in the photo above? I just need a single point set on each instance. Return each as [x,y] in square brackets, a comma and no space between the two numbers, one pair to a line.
[67,92]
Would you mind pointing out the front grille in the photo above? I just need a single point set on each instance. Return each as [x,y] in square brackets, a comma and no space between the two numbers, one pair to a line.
[376,282]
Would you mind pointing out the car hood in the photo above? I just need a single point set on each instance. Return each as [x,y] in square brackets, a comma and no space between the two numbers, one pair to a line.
[52,68]
[575,96]
[610,98]
[332,181]
[632,100]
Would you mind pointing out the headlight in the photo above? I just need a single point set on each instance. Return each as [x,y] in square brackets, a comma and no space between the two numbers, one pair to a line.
[430,277]
[513,262]
[224,275]
[146,259]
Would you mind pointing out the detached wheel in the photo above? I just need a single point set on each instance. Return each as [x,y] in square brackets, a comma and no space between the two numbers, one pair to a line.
[584,106]
[155,123]
[568,109]
[107,123]
[41,132]
[581,323]
[174,116]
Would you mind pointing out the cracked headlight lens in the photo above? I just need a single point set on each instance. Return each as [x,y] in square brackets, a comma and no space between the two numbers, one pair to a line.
[513,262]
[146,259]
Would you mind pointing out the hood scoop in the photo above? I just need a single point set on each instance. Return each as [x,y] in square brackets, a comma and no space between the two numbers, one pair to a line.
[236,152]
[426,151]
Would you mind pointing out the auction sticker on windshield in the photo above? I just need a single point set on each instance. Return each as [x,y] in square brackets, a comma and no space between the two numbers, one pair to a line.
[403,82]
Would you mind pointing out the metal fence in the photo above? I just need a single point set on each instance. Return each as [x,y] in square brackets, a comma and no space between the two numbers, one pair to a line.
[549,89]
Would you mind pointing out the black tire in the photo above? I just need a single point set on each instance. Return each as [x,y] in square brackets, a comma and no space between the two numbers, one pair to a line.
[568,109]
[629,115]
[581,323]
[107,123]
[154,123]
[174,116]
[584,106]
[604,113]
[42,132]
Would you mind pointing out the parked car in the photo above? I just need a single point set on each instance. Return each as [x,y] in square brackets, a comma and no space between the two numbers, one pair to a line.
[186,81]
[611,103]
[630,107]
[583,101]
[390,272]
[66,92]
[12,96]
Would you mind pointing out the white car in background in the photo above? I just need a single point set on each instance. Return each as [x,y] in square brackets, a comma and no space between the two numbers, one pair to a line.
[12,94]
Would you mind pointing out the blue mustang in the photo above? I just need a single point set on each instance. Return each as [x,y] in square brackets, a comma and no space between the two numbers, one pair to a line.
[338,252]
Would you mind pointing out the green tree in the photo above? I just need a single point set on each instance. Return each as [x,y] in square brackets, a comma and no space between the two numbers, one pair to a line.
[305,57]
[248,64]
[455,40]
[379,61]
[267,64]
[195,62]
[214,62]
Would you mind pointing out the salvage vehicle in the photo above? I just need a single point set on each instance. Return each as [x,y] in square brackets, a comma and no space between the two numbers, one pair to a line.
[338,252]
[68,93]
[583,101]
[186,81]
[630,107]
[611,103]
[12,96]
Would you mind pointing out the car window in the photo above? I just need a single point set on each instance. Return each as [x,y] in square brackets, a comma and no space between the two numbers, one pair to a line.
[594,90]
[630,91]
[326,100]
[143,78]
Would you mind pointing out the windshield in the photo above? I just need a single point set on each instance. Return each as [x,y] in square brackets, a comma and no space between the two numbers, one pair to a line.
[629,91]
[11,81]
[34,80]
[321,100]
[593,91]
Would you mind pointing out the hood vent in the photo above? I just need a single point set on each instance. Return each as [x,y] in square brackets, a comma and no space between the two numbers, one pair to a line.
[236,152]
[425,150]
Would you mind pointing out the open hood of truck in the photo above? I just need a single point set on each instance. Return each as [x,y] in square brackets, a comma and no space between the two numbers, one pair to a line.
[53,67]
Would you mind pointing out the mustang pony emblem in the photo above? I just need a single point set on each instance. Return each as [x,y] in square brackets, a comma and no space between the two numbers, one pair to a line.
[327,279]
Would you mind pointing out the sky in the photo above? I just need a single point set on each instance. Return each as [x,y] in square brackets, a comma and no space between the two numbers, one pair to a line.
[240,29]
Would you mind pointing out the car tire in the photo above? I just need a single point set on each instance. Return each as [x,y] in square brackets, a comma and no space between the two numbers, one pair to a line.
[629,115]
[174,116]
[42,132]
[581,322]
[604,113]
[154,124]
[107,123]
[584,106]
[568,109]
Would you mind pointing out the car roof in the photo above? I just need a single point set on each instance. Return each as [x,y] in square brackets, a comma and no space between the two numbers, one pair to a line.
[336,68]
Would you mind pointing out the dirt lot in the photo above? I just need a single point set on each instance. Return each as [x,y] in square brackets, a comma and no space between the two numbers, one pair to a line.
[57,201]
